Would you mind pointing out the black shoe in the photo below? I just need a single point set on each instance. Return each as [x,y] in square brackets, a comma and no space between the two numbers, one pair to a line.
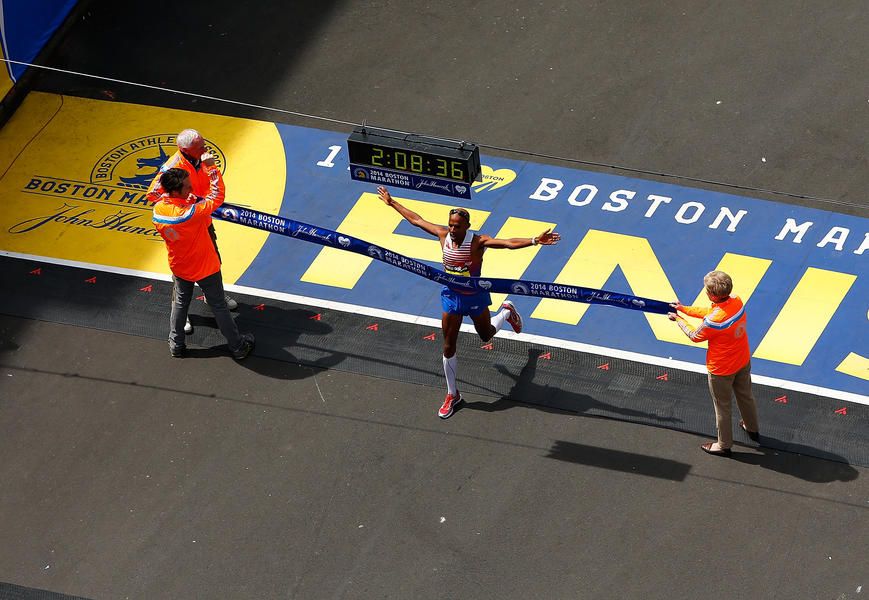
[178,351]
[247,344]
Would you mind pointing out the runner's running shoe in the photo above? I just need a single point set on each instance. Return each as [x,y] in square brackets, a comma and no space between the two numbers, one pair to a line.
[449,405]
[514,318]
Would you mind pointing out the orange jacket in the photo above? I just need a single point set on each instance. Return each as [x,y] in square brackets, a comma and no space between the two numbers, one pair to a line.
[723,327]
[198,177]
[183,224]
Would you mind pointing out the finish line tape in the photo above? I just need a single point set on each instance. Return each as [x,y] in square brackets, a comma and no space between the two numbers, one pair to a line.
[327,237]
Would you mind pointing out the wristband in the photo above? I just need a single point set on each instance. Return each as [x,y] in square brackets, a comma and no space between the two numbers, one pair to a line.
[534,241]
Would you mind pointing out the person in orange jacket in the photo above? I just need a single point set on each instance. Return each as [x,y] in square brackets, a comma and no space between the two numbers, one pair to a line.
[728,358]
[191,146]
[182,219]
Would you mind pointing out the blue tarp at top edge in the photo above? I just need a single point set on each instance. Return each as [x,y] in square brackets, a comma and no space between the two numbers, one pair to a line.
[27,25]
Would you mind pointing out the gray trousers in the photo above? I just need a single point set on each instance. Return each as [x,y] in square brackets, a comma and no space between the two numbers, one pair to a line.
[723,388]
[182,295]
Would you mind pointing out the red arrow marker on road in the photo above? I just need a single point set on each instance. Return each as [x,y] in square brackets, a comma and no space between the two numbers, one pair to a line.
[36,271]
[488,346]
[259,307]
[430,337]
[91,280]
[604,367]
[781,400]
[842,411]
[545,356]
[662,377]
[372,327]
[316,317]
[148,288]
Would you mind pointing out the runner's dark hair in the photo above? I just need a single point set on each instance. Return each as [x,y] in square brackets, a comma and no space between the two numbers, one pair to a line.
[173,179]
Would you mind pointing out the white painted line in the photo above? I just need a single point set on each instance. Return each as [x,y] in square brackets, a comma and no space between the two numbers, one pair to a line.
[467,328]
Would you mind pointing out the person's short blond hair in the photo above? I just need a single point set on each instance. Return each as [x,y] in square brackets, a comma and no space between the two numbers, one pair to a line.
[718,284]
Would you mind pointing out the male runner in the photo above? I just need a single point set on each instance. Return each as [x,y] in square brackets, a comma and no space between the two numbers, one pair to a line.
[463,256]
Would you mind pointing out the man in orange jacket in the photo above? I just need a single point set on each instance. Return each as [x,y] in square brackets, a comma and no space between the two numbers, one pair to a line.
[183,219]
[728,358]
[191,146]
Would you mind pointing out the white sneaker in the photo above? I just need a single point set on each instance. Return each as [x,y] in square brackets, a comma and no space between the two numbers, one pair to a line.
[188,328]
[514,318]
[449,406]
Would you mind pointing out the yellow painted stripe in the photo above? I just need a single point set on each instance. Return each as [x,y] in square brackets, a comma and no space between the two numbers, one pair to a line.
[600,252]
[593,262]
[512,264]
[746,273]
[804,316]
[855,365]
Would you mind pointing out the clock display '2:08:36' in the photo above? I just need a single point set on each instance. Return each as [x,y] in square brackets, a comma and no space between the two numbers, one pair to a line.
[402,160]
[414,154]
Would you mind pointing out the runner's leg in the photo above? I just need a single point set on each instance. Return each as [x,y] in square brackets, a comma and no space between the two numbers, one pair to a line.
[451,324]
[485,324]
[500,318]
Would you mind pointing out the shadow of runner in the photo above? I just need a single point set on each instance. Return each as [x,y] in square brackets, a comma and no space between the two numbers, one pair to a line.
[552,399]
[803,462]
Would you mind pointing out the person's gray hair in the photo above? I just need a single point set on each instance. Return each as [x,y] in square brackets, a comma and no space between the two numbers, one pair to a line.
[718,283]
[187,138]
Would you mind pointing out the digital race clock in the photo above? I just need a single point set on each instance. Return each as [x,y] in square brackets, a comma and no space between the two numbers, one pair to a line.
[414,155]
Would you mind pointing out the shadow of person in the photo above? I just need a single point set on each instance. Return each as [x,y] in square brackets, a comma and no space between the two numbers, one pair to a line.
[289,341]
[618,460]
[797,460]
[210,352]
[553,399]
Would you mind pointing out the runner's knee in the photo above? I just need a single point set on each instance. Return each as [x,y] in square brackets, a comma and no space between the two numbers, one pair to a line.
[486,333]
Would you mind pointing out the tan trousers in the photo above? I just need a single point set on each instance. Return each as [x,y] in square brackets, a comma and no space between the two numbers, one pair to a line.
[723,388]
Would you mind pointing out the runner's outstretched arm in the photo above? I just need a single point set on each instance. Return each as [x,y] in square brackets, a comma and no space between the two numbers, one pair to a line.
[410,216]
[547,238]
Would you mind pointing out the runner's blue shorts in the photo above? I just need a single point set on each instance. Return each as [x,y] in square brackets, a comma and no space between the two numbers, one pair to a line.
[469,305]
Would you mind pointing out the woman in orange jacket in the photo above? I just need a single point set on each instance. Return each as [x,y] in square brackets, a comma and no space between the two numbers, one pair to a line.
[728,358]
